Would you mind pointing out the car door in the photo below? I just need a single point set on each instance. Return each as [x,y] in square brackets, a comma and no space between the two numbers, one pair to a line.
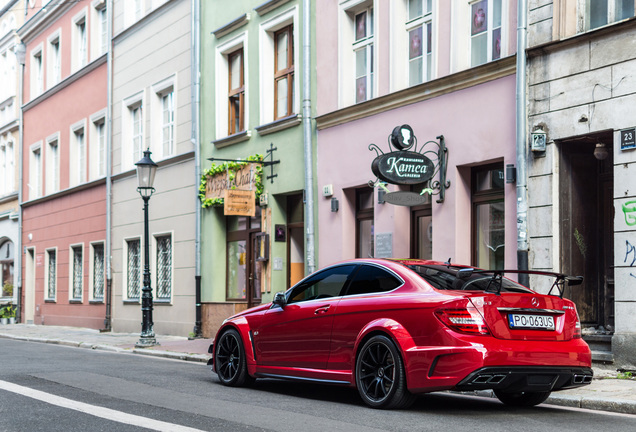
[299,333]
[364,301]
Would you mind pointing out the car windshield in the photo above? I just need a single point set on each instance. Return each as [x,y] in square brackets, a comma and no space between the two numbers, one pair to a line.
[443,277]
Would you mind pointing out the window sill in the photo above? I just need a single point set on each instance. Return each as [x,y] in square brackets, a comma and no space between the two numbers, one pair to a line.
[280,124]
[132,302]
[75,301]
[162,302]
[232,139]
[96,301]
[50,301]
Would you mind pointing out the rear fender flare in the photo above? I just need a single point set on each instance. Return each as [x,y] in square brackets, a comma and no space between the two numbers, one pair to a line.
[241,325]
[391,328]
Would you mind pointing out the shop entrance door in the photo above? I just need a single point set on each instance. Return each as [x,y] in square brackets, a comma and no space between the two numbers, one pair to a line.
[295,239]
[243,269]
[587,230]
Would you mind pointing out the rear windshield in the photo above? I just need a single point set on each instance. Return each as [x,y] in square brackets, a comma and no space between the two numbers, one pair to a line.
[443,277]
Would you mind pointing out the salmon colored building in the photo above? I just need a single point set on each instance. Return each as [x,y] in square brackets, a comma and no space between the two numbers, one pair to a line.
[64,164]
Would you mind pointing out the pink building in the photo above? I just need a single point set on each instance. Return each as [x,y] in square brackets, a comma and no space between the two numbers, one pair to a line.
[446,69]
[64,163]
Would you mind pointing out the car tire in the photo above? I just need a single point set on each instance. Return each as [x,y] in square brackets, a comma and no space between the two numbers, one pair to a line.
[229,360]
[380,375]
[522,399]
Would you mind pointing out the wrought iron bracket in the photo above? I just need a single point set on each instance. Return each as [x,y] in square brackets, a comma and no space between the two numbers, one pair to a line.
[270,153]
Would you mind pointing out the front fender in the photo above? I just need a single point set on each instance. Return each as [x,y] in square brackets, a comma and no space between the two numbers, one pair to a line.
[241,325]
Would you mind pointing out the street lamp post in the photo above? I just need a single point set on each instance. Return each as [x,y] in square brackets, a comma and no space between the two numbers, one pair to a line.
[146,170]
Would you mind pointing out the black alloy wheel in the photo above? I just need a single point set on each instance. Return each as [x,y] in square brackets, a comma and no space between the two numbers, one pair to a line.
[522,399]
[229,360]
[380,376]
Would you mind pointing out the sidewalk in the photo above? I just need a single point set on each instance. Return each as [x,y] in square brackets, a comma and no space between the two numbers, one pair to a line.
[606,393]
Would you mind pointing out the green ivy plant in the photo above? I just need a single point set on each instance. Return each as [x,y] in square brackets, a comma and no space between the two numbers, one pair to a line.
[231,168]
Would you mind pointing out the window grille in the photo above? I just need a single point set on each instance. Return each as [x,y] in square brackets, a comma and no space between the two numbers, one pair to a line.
[164,267]
[77,273]
[98,272]
[52,274]
[134,270]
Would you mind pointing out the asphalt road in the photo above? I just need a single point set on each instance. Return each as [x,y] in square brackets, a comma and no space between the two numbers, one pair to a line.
[55,388]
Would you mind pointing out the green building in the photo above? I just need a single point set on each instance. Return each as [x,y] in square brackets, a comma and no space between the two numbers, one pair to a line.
[251,109]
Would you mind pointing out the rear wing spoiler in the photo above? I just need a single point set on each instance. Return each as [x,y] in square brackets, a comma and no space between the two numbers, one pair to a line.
[497,275]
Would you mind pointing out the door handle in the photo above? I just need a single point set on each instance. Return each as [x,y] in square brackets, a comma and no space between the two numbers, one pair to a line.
[321,310]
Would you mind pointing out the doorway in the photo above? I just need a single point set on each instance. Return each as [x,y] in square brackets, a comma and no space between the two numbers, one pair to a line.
[29,285]
[587,229]
[243,269]
[295,239]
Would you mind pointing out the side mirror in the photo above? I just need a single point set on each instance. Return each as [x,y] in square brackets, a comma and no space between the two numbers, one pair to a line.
[279,299]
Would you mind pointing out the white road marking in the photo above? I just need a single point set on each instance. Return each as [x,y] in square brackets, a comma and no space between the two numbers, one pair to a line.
[97,411]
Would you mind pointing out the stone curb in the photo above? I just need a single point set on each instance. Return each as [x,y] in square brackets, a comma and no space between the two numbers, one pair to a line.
[198,358]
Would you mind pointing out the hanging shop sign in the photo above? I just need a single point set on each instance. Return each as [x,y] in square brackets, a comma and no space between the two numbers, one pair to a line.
[242,178]
[410,164]
[239,202]
[403,167]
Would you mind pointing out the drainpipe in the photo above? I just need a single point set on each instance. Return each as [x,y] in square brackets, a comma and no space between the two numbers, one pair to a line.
[108,295]
[18,252]
[522,152]
[307,139]
[194,104]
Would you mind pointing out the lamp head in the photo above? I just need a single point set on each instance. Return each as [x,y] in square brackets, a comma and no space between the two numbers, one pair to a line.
[146,170]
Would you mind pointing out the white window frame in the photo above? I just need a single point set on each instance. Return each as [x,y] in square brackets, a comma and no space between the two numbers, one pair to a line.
[79,40]
[37,71]
[134,13]
[584,12]
[47,267]
[99,28]
[267,47]
[78,165]
[128,156]
[125,269]
[54,59]
[71,272]
[97,145]
[155,265]
[222,85]
[489,30]
[7,166]
[423,21]
[347,46]
[52,161]
[91,272]
[35,171]
[161,90]
[4,187]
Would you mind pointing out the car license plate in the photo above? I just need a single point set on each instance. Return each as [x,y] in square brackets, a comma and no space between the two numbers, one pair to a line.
[538,322]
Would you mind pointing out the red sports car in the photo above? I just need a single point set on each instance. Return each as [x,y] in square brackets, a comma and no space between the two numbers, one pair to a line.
[396,328]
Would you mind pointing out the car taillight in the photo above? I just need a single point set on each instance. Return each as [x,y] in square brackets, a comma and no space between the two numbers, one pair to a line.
[466,320]
[577,328]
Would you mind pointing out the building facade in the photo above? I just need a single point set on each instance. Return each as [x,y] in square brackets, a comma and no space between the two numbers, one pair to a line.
[151,100]
[447,70]
[64,163]
[251,89]
[11,18]
[581,65]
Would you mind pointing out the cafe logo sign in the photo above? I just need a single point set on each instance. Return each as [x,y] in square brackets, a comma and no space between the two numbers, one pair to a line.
[409,164]
[403,168]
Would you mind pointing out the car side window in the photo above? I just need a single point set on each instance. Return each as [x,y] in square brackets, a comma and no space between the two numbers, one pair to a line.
[328,283]
[372,279]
